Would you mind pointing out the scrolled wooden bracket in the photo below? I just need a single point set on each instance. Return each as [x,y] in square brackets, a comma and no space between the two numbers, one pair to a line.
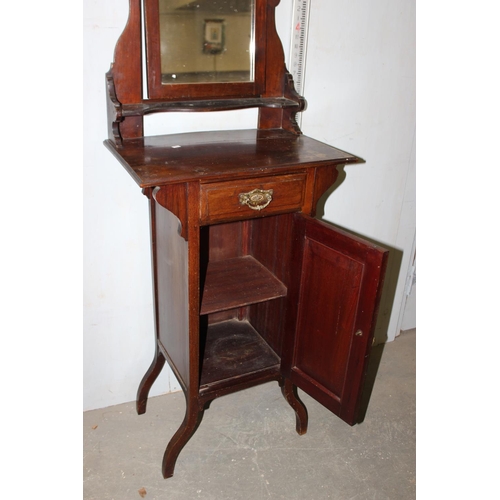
[114,109]
[174,199]
[290,115]
[125,79]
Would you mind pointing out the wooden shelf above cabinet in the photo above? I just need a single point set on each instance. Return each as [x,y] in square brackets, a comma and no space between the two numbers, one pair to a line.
[210,156]
[148,107]
[238,282]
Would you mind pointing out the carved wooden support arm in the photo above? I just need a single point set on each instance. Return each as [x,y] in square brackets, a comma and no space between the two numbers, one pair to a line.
[114,109]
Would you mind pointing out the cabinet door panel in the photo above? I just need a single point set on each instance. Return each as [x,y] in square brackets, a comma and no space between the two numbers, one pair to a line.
[332,312]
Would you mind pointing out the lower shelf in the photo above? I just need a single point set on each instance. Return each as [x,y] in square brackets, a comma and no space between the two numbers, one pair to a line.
[235,353]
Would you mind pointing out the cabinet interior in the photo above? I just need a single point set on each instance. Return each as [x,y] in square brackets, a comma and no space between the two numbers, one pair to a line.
[245,268]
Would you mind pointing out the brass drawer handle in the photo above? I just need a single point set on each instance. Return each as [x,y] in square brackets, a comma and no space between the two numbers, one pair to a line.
[256,199]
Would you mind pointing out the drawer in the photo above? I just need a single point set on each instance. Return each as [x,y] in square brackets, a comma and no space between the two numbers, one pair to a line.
[249,198]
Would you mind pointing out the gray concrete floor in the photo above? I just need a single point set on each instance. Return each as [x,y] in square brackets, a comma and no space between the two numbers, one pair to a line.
[246,447]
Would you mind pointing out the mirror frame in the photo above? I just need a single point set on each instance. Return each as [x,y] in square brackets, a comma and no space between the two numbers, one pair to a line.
[272,91]
[173,91]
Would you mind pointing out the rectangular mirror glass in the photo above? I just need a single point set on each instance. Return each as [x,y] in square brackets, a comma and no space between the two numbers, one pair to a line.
[207,41]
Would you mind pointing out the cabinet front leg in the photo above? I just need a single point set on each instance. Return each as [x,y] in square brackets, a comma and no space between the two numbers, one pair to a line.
[148,380]
[188,427]
[289,391]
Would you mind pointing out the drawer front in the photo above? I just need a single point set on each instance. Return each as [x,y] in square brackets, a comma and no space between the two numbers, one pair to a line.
[249,198]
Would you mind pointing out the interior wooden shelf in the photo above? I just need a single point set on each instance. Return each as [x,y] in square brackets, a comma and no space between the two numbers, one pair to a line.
[233,350]
[238,282]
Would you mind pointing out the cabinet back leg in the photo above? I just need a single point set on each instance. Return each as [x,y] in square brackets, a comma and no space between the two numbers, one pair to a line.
[289,391]
[148,380]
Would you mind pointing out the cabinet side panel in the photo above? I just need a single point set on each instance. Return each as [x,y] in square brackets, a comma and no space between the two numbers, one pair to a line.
[173,298]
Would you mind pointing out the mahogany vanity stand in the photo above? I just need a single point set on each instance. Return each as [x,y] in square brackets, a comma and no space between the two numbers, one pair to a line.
[248,286]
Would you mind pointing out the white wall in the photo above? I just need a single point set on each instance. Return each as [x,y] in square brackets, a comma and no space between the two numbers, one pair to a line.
[360,88]
[360,85]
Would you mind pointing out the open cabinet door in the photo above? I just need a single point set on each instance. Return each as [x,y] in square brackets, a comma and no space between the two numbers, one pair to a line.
[336,287]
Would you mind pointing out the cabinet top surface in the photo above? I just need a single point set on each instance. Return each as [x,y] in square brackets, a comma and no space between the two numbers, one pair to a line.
[210,156]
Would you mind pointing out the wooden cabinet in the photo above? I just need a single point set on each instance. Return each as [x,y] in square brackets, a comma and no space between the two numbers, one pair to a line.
[248,286]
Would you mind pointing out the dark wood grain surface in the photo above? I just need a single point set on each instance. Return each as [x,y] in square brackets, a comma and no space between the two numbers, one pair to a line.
[221,200]
[238,282]
[207,156]
[336,286]
[234,349]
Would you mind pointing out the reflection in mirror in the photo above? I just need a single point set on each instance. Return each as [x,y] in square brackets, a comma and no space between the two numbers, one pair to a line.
[207,41]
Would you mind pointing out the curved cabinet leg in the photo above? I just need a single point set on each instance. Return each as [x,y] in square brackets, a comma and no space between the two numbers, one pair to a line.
[188,427]
[148,380]
[289,391]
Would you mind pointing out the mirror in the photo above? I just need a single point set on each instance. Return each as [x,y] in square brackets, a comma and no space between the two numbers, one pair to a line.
[207,41]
